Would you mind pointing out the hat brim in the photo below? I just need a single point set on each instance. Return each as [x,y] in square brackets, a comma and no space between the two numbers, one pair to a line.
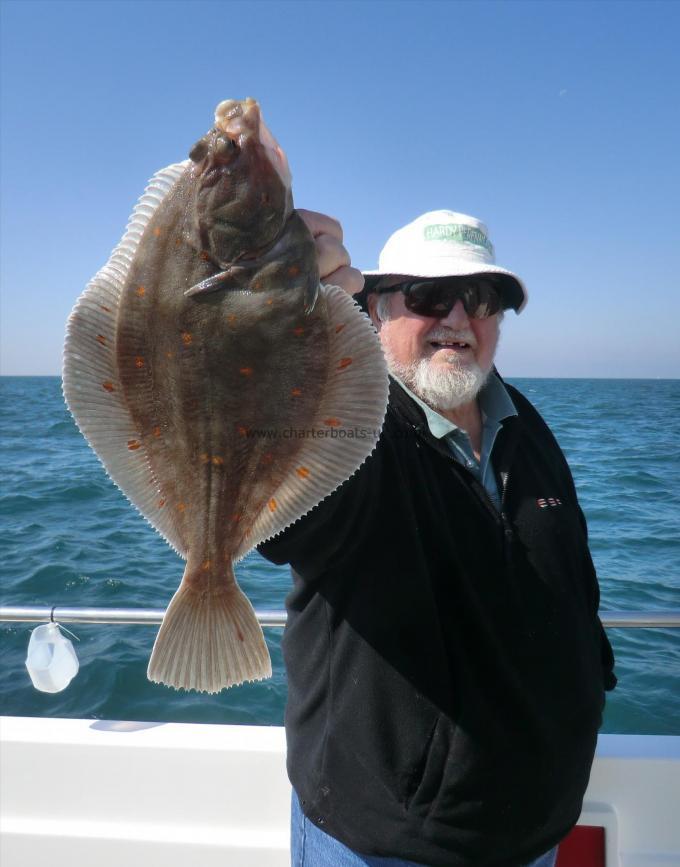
[513,291]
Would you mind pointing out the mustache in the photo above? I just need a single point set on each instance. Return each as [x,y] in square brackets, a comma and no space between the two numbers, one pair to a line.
[442,335]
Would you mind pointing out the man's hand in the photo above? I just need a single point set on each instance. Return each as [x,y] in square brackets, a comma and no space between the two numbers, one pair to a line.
[334,262]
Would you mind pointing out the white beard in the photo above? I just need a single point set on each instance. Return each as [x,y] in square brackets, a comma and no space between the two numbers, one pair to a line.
[443,386]
[438,386]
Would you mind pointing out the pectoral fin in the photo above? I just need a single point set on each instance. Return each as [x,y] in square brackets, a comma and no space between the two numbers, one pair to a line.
[311,294]
[233,278]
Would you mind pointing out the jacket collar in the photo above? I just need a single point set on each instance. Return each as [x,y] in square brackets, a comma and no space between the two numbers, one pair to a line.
[408,410]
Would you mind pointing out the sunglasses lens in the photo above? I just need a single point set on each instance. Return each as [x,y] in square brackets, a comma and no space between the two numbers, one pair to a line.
[480,299]
[426,298]
[436,298]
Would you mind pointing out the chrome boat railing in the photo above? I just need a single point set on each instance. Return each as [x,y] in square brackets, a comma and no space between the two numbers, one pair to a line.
[273,618]
[129,616]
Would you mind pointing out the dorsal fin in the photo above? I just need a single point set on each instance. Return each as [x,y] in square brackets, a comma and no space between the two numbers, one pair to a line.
[90,378]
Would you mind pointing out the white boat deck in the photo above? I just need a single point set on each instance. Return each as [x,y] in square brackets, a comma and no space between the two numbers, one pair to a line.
[81,792]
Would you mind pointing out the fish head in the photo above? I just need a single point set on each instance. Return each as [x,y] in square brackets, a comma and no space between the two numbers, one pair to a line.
[242,184]
[243,119]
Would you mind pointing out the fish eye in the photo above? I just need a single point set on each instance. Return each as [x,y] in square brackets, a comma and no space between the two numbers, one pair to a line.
[223,146]
[199,150]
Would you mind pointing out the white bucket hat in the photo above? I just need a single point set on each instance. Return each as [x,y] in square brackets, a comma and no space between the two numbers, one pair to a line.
[445,244]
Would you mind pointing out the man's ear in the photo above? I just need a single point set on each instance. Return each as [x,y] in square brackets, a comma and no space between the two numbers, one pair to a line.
[372,303]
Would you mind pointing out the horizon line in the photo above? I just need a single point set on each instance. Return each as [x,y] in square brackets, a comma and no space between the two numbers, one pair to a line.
[505,376]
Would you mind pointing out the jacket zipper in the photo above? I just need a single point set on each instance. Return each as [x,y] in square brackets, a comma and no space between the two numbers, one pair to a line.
[479,490]
[498,514]
[507,526]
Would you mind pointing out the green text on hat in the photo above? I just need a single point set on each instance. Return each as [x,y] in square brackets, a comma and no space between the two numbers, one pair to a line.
[457,232]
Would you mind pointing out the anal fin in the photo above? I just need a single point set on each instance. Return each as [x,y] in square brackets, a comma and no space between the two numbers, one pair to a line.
[347,422]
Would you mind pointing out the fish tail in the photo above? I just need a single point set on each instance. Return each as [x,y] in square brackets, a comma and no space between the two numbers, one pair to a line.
[209,640]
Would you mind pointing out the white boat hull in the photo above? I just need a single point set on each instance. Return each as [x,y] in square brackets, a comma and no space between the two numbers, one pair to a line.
[84,792]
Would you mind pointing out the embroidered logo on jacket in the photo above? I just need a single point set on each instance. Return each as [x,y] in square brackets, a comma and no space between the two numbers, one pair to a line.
[548,502]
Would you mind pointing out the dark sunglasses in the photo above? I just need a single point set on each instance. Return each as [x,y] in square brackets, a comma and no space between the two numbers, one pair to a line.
[437,298]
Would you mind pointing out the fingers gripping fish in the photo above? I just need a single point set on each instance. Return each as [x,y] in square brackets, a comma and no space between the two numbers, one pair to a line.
[190,354]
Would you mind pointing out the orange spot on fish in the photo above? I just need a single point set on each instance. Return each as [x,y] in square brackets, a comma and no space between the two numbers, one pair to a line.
[205,458]
[101,339]
[270,301]
[242,431]
[156,431]
[106,309]
[236,517]
[181,507]
[133,444]
[187,338]
[139,361]
[141,291]
[178,241]
[231,318]
[169,354]
[205,565]
[205,255]
[293,271]
[338,328]
[217,461]
[108,386]
[161,503]
[272,505]
[157,232]
[257,285]
[246,371]
[303,472]
[344,362]
[332,422]
[298,331]
[296,392]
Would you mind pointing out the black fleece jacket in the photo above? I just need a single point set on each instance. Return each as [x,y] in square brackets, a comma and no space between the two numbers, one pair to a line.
[446,665]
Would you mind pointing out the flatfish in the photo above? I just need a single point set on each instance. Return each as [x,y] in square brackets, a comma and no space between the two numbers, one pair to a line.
[224,390]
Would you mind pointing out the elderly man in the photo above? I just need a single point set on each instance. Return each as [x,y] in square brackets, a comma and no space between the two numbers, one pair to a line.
[446,664]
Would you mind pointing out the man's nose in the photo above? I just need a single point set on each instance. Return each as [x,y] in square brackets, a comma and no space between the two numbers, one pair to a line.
[457,318]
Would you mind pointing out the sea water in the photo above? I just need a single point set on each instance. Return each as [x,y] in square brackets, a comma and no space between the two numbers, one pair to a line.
[70,538]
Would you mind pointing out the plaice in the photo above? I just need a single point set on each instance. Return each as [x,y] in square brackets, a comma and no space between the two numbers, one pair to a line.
[224,391]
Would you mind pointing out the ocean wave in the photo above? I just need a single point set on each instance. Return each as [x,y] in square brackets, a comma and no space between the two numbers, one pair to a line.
[43,582]
[71,538]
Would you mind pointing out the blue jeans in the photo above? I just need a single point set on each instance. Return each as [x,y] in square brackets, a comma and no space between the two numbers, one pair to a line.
[312,847]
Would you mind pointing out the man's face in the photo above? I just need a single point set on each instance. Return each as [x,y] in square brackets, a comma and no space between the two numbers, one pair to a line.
[445,361]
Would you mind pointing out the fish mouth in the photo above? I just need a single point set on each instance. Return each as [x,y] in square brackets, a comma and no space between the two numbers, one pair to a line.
[242,118]
[236,117]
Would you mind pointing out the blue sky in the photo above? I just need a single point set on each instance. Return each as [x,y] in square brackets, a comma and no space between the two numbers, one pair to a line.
[556,123]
